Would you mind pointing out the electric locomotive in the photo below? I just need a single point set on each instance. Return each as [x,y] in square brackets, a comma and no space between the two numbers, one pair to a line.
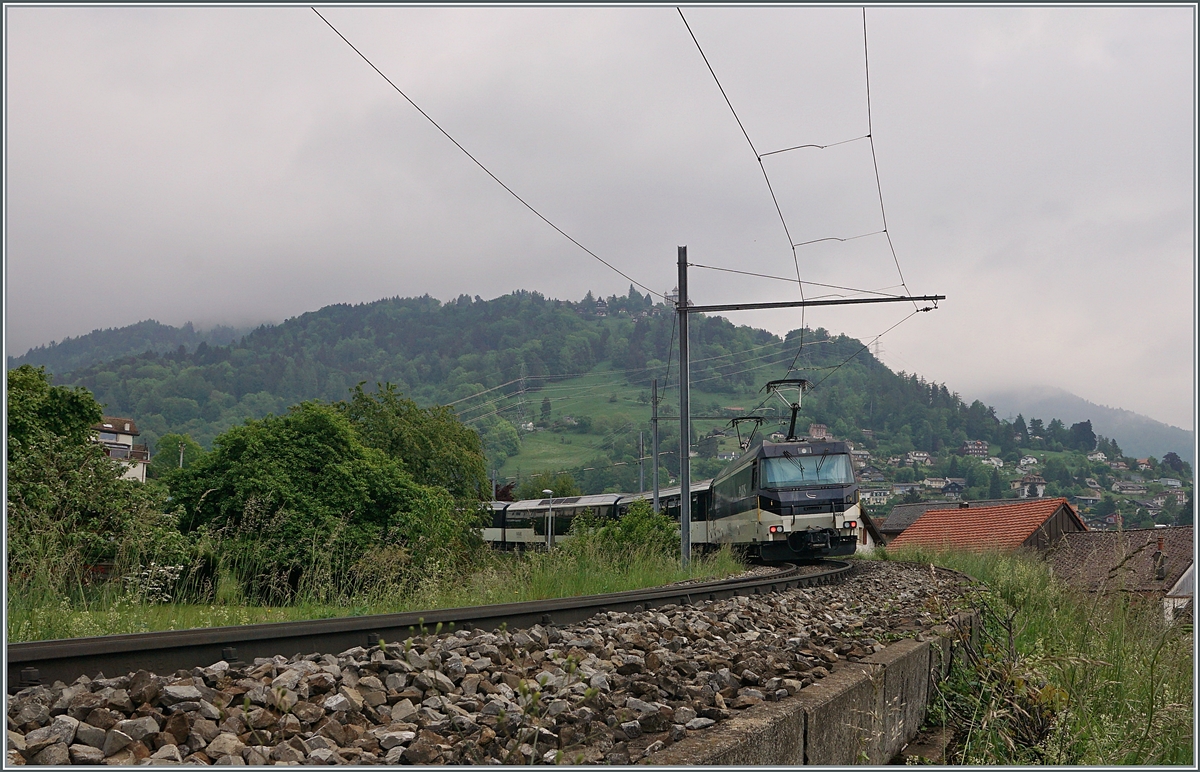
[790,500]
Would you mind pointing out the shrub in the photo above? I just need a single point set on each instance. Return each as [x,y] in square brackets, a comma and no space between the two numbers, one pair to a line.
[291,504]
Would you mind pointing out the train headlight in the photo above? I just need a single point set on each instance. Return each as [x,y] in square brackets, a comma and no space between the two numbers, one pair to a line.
[775,529]
[850,524]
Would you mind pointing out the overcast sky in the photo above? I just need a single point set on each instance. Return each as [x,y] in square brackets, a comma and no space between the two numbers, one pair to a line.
[240,165]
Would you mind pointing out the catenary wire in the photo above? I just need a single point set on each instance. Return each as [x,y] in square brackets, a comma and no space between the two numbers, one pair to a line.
[821,147]
[778,210]
[875,160]
[487,171]
[789,280]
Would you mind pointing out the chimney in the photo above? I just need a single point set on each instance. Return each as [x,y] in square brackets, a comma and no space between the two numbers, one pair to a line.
[126,426]
[964,505]
[1159,561]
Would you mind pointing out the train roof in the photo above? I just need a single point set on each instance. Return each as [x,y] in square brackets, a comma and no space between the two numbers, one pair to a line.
[817,447]
[663,493]
[597,500]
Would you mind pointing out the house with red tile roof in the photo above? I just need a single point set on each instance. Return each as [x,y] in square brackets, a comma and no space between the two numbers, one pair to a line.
[1035,524]
[1151,562]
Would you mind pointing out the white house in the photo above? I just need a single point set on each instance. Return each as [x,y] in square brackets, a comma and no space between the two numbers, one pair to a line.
[1170,482]
[1023,486]
[1096,456]
[876,497]
[118,435]
[994,461]
[1027,461]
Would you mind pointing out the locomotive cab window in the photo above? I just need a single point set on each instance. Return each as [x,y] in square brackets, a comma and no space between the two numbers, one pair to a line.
[793,471]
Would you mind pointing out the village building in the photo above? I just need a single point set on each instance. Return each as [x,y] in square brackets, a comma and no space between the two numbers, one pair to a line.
[976,448]
[1028,461]
[818,431]
[994,461]
[118,436]
[1128,488]
[1029,487]
[1037,524]
[1170,482]
[869,536]
[904,515]
[914,457]
[953,489]
[1096,456]
[875,497]
[871,474]
[1155,563]
[1087,499]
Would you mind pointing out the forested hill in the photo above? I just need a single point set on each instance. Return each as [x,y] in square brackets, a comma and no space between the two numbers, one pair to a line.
[104,345]
[519,344]
[433,352]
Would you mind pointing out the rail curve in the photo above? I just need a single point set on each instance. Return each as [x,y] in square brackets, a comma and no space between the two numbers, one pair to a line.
[165,652]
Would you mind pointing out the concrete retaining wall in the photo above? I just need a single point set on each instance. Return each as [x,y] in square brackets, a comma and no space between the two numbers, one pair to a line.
[863,713]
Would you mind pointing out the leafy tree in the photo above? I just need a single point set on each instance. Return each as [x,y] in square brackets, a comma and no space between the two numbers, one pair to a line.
[1036,429]
[1082,437]
[545,408]
[995,489]
[38,411]
[500,439]
[1187,513]
[68,506]
[301,497]
[431,444]
[1020,429]
[562,484]
[1106,507]
[167,456]
[911,496]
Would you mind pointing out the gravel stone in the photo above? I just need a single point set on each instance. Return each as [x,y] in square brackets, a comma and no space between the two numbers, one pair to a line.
[611,689]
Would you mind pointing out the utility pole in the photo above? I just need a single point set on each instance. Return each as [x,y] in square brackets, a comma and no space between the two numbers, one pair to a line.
[685,425]
[654,439]
[641,464]
[181,455]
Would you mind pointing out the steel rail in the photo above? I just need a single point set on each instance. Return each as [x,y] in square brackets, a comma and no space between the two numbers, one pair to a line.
[166,652]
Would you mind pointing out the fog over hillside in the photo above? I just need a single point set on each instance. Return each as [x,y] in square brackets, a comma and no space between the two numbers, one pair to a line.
[1138,435]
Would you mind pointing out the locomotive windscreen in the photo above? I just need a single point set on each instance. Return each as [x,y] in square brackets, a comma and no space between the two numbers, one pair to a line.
[792,471]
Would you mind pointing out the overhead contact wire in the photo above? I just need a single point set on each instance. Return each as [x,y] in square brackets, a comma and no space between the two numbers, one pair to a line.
[487,171]
[875,160]
[762,167]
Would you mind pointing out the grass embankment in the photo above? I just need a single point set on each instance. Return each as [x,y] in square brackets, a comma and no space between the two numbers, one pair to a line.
[1060,676]
[585,568]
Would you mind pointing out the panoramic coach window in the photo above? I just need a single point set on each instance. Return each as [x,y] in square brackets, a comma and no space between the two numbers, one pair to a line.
[794,471]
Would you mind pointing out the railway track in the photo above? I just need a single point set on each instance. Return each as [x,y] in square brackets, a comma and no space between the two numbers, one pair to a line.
[166,652]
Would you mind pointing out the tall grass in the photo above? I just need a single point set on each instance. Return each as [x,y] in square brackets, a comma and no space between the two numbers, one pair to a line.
[584,566]
[1061,676]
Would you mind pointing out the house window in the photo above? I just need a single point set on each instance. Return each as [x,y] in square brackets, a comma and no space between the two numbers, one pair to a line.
[108,437]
